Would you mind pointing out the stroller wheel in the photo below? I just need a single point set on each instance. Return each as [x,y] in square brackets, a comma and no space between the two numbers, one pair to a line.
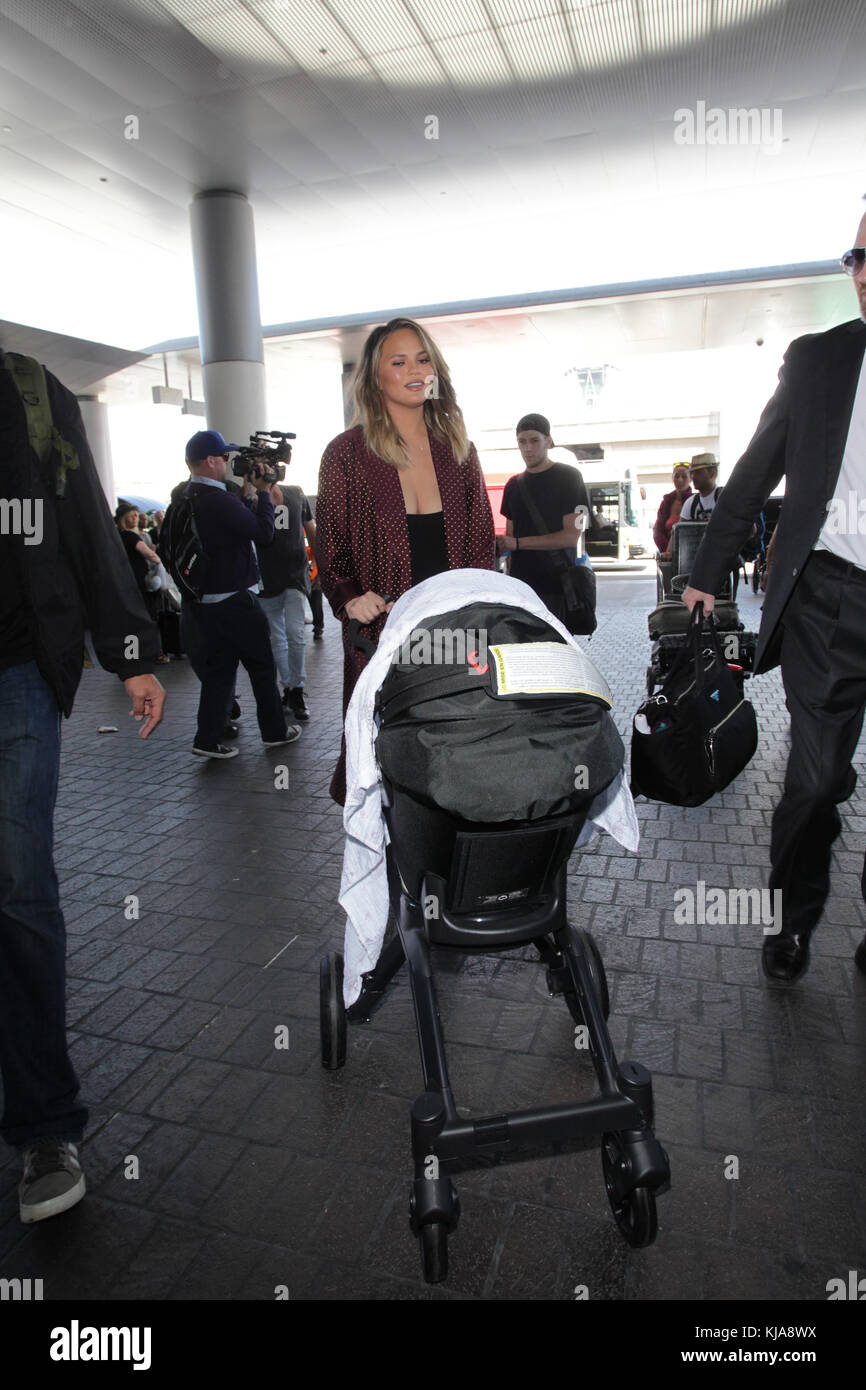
[634,1212]
[332,1012]
[434,1251]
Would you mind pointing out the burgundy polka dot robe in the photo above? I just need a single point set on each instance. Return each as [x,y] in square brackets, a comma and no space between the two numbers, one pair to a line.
[362,536]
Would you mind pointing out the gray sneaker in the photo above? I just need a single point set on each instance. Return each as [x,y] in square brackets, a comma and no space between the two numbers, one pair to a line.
[53,1181]
[292,732]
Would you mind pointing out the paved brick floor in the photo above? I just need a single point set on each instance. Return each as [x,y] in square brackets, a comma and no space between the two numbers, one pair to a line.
[256,1168]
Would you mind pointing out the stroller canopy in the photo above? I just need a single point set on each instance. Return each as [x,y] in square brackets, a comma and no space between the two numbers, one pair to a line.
[487,713]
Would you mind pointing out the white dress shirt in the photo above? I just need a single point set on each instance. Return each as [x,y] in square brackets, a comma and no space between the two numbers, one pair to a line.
[844,531]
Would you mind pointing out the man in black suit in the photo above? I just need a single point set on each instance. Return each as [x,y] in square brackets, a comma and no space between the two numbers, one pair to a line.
[813,431]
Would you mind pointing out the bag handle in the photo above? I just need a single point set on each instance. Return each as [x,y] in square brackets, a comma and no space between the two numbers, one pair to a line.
[696,637]
[690,651]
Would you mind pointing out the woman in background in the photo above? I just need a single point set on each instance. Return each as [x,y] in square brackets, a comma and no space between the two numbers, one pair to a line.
[670,508]
[140,555]
[401,494]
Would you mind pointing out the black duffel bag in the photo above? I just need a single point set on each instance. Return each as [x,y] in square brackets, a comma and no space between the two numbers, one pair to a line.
[692,738]
[456,732]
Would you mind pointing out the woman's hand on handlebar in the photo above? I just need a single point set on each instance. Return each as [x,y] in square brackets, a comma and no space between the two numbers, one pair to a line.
[367,608]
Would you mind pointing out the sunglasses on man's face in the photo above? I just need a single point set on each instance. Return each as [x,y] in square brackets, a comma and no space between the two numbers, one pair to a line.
[854,260]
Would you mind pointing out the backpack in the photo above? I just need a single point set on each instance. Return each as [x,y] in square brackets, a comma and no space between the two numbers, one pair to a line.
[46,440]
[181,551]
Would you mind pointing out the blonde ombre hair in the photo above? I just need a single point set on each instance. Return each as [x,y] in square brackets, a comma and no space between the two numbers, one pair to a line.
[442,414]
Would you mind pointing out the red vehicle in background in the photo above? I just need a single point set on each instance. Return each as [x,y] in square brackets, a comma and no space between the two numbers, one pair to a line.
[495,484]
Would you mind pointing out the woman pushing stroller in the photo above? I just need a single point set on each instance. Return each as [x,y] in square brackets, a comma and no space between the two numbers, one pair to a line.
[401,494]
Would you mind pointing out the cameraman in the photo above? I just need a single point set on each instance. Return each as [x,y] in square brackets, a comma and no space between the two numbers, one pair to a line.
[234,627]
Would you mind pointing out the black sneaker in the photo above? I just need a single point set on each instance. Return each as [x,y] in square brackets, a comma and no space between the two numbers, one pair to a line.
[318,636]
[52,1182]
[292,732]
[218,751]
[230,731]
[296,702]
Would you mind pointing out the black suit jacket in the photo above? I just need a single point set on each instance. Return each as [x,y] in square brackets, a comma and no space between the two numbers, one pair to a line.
[801,435]
[79,576]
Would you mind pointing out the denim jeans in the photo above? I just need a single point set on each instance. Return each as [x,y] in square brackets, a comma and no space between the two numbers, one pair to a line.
[285,615]
[39,1083]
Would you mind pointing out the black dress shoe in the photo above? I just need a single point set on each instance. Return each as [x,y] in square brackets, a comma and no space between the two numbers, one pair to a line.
[296,703]
[786,957]
[860,956]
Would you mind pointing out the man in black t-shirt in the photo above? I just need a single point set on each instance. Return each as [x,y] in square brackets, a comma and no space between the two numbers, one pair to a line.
[559,494]
[285,582]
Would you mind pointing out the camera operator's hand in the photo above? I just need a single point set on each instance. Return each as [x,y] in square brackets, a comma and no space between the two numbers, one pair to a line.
[255,481]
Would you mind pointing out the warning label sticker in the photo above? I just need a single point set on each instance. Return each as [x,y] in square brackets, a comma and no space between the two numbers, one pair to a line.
[546,668]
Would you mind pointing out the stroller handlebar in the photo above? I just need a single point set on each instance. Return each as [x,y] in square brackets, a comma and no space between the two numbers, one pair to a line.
[364,644]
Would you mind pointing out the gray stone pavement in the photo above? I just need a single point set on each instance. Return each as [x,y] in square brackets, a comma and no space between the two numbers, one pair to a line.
[257,1169]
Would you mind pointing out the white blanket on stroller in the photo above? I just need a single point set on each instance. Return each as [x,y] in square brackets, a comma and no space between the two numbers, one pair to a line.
[364,883]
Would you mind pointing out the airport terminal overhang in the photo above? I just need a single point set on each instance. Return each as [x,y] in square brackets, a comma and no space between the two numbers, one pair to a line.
[401,154]
[759,308]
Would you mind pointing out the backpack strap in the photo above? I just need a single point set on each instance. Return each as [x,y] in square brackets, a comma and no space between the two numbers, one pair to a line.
[559,557]
[717,492]
[46,441]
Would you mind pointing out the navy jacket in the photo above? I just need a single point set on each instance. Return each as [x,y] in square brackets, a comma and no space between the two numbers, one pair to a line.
[227,524]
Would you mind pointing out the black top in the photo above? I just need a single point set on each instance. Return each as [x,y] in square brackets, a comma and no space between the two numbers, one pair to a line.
[555,491]
[427,545]
[136,559]
[283,563]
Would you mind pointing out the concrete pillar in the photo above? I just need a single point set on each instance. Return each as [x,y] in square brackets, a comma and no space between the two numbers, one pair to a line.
[95,417]
[347,378]
[230,328]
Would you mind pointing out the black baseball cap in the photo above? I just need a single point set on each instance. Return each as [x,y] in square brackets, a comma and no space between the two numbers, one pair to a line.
[534,422]
[205,443]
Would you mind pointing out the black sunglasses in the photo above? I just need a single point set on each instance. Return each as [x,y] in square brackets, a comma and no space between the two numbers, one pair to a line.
[854,260]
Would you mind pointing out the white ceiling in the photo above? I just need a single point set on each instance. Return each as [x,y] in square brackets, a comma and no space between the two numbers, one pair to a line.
[555,162]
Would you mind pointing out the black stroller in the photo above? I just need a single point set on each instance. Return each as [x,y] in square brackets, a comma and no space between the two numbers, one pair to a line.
[497,881]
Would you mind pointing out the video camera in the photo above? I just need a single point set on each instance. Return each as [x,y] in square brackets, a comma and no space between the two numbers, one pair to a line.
[268,460]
